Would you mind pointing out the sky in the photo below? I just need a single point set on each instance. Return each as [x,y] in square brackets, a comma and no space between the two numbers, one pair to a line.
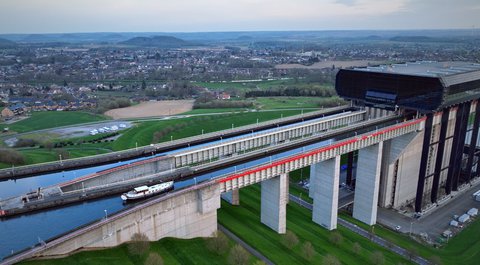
[62,16]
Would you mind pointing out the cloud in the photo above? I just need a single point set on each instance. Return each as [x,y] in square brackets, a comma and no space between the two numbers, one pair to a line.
[222,15]
[347,2]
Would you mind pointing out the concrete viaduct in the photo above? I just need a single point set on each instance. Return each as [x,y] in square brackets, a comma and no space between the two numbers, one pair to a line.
[191,212]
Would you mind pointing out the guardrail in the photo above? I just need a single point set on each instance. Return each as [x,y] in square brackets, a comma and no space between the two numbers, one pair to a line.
[55,166]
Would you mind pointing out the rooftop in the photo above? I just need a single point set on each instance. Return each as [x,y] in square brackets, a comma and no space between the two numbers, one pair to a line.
[425,68]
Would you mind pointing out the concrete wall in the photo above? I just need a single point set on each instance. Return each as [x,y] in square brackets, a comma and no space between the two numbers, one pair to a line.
[123,173]
[187,215]
[392,150]
[407,172]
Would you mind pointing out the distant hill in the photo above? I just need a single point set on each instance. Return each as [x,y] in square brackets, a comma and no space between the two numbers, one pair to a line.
[4,43]
[158,41]
[412,39]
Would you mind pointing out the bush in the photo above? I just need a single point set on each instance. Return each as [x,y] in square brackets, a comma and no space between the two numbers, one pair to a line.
[238,256]
[308,251]
[377,258]
[222,104]
[154,259]
[290,240]
[336,238]
[25,143]
[139,244]
[218,243]
[356,248]
[11,157]
[330,259]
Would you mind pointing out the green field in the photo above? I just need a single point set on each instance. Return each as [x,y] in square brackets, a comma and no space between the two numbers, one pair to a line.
[267,84]
[51,119]
[172,251]
[209,111]
[142,133]
[287,102]
[244,221]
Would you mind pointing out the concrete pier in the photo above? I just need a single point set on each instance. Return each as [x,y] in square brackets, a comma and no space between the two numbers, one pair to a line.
[325,178]
[274,203]
[232,197]
[367,184]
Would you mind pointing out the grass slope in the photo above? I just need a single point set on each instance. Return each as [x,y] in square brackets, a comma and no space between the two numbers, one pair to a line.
[172,251]
[52,119]
[142,133]
[244,221]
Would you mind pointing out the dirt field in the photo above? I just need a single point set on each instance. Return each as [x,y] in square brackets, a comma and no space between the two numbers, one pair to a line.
[328,64]
[152,108]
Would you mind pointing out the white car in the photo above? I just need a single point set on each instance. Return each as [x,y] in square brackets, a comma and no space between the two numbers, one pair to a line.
[397,228]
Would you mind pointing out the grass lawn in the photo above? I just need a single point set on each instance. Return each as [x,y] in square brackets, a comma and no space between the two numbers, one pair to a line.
[244,221]
[207,111]
[462,249]
[172,251]
[267,84]
[287,102]
[142,133]
[37,155]
[51,119]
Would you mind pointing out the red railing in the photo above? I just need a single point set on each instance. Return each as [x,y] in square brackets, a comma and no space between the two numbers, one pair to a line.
[317,151]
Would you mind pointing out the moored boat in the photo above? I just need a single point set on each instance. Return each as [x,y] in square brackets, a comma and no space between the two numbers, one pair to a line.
[147,191]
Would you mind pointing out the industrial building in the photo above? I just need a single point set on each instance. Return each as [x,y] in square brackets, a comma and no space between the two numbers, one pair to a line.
[438,160]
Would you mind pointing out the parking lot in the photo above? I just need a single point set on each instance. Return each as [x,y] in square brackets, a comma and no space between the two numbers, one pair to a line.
[435,222]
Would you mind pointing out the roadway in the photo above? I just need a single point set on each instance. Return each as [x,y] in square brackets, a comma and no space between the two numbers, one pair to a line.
[436,220]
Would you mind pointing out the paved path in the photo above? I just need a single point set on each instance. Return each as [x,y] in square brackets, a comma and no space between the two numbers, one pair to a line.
[245,245]
[375,239]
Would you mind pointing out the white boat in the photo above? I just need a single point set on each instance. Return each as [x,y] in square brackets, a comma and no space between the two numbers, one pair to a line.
[147,191]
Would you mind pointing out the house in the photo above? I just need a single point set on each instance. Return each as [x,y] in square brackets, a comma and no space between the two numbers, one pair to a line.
[223,95]
[18,108]
[7,113]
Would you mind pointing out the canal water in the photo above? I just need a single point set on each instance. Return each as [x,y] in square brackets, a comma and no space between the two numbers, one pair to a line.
[24,231]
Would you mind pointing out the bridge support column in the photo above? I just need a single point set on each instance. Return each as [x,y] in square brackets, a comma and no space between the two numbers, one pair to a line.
[367,184]
[325,198]
[311,189]
[274,203]
[232,197]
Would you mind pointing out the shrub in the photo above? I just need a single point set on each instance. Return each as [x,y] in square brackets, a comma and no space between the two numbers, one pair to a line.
[238,256]
[154,259]
[11,157]
[218,243]
[138,245]
[290,240]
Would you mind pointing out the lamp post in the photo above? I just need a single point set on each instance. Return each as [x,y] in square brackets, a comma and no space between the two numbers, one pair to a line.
[171,138]
[106,215]
[202,131]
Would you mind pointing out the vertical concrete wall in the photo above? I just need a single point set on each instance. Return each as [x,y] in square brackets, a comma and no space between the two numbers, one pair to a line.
[311,189]
[126,172]
[325,177]
[367,184]
[392,150]
[274,203]
[188,215]
[407,172]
